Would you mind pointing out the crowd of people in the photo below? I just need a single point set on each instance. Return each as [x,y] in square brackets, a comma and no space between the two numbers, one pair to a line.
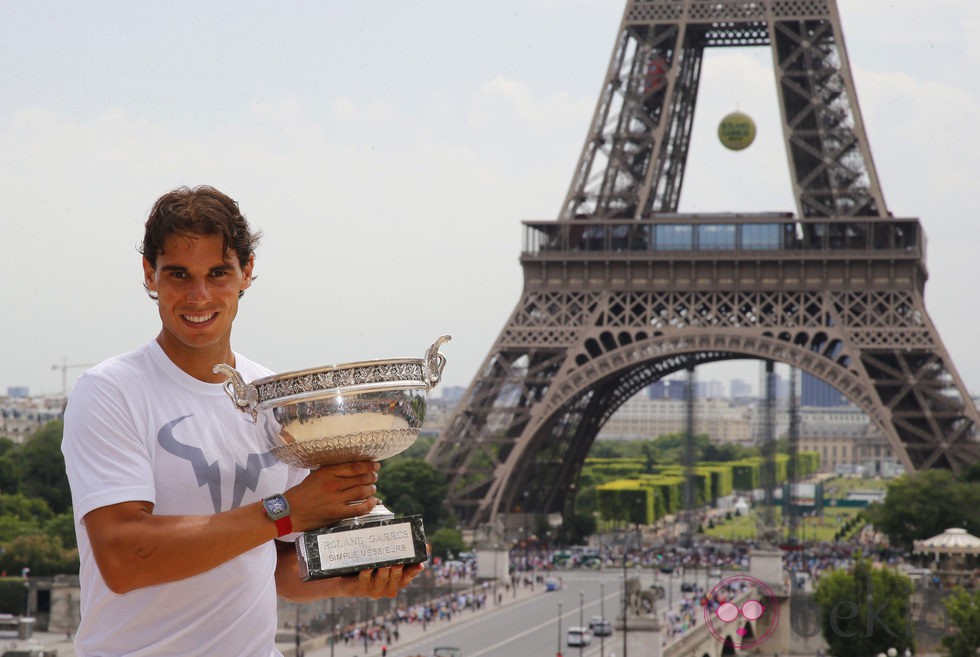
[384,630]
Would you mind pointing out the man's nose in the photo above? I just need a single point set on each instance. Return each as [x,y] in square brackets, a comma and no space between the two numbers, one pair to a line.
[198,289]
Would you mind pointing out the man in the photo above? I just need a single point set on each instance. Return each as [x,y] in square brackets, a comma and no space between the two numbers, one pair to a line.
[177,502]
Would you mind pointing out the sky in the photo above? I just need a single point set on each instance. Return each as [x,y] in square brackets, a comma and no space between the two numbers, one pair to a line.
[389,151]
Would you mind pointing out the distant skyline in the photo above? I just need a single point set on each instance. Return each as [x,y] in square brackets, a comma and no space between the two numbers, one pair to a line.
[389,152]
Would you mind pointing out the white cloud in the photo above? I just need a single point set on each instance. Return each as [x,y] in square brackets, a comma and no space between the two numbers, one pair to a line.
[501,100]
[376,112]
[282,110]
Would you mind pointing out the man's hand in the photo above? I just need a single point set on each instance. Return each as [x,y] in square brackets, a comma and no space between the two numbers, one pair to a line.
[371,583]
[380,582]
[333,492]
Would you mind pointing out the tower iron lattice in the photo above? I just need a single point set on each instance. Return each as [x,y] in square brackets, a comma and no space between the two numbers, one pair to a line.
[621,290]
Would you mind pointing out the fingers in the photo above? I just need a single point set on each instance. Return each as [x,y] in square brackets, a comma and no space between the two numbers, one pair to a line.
[386,582]
[353,469]
[349,477]
[411,572]
[333,492]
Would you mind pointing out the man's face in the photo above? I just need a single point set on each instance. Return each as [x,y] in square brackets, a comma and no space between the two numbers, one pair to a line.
[197,284]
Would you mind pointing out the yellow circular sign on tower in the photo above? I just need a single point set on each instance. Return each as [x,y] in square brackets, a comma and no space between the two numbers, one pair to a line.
[736,131]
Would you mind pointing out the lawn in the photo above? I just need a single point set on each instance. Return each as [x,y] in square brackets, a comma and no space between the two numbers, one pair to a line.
[810,529]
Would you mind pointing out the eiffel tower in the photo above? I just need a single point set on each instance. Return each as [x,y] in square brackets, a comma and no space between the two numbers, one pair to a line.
[621,290]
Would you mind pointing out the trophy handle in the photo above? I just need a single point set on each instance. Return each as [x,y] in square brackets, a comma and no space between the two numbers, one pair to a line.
[433,362]
[245,395]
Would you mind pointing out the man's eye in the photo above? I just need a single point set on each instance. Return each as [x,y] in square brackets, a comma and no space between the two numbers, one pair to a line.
[179,275]
[218,273]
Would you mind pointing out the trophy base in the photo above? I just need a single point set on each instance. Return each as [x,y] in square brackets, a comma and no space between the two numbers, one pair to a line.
[349,548]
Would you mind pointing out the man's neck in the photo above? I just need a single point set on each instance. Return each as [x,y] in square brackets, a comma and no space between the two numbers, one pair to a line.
[197,362]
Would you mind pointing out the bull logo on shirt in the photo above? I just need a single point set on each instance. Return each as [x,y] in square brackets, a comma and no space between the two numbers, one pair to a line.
[208,473]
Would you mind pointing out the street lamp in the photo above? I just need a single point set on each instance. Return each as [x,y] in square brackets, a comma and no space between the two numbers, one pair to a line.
[298,651]
[602,612]
[625,607]
[527,562]
[25,573]
[559,628]
[333,624]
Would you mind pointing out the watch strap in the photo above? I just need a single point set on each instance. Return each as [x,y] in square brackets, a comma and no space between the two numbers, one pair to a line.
[284,526]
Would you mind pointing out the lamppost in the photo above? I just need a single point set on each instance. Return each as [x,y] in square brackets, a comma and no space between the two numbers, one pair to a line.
[25,573]
[333,624]
[602,612]
[527,562]
[298,651]
[559,629]
[625,602]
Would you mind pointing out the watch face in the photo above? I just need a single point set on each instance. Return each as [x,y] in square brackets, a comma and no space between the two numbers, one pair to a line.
[276,506]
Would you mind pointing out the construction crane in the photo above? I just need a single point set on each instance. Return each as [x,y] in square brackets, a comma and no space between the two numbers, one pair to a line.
[64,367]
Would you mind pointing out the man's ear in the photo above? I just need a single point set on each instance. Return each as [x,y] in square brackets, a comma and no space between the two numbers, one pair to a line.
[247,273]
[149,276]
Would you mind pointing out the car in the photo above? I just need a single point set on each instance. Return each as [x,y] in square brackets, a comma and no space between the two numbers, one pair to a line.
[599,626]
[447,651]
[579,636]
[689,587]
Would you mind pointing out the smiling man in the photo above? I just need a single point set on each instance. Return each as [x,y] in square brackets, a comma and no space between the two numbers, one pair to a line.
[183,518]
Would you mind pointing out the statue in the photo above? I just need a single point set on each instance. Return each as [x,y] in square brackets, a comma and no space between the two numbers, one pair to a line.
[640,602]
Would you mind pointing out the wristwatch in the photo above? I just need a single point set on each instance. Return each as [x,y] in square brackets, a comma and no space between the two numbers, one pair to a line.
[277,508]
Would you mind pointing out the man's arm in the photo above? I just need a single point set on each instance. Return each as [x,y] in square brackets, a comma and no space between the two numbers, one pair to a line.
[135,548]
[371,583]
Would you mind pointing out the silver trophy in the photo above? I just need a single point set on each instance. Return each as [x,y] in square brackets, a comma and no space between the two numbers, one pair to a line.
[364,411]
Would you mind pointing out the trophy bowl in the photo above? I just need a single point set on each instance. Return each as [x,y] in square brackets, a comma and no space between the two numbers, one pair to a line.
[363,411]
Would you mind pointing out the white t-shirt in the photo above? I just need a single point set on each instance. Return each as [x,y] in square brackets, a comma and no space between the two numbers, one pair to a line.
[137,427]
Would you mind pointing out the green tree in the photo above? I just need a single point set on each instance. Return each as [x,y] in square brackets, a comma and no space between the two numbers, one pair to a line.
[11,527]
[576,529]
[724,452]
[446,540]
[8,469]
[864,611]
[6,445]
[44,555]
[9,481]
[925,504]
[964,614]
[62,526]
[604,449]
[411,486]
[24,508]
[650,456]
[419,448]
[42,467]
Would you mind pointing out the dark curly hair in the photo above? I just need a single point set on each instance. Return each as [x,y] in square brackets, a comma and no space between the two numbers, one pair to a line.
[200,210]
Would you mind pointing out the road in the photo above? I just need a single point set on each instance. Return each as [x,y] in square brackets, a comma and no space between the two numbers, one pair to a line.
[530,626]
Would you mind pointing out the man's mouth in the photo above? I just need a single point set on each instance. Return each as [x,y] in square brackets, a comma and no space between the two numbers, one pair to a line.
[199,319]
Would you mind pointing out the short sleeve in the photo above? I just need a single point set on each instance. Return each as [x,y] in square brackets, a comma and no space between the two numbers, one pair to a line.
[106,456]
